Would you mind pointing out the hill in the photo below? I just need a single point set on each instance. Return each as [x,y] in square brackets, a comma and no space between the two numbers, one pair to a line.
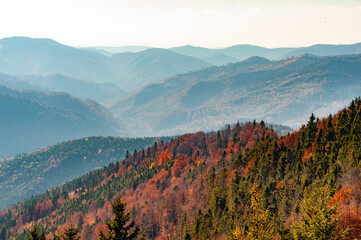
[241,52]
[326,50]
[30,120]
[201,186]
[231,54]
[283,92]
[121,49]
[34,173]
[220,59]
[142,68]
[59,83]
[28,56]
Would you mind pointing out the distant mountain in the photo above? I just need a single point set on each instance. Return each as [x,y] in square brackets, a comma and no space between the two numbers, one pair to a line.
[30,120]
[145,67]
[91,49]
[27,56]
[31,174]
[220,59]
[231,54]
[283,92]
[326,50]
[122,49]
[79,88]
[21,55]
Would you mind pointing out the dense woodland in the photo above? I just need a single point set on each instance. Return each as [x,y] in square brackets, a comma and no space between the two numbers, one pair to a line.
[242,182]
[31,174]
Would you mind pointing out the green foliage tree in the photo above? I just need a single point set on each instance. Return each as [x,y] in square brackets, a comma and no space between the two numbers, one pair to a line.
[318,219]
[71,233]
[56,237]
[35,234]
[119,228]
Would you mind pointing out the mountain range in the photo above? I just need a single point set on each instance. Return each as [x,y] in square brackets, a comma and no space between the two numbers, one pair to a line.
[32,119]
[282,92]
[28,56]
[239,53]
[142,68]
[232,54]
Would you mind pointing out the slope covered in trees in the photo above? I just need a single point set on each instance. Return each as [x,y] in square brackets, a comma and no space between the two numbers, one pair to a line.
[243,182]
[282,92]
[30,120]
[34,173]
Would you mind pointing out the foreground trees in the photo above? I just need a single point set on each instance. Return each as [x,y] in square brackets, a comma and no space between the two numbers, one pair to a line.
[35,234]
[318,220]
[119,228]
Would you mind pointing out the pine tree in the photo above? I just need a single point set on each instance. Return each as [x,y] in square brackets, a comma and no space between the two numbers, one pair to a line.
[71,233]
[119,228]
[35,234]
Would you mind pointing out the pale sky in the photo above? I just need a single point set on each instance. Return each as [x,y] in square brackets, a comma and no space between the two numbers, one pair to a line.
[168,23]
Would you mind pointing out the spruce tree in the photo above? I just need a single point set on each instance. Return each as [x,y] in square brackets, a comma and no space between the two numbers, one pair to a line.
[35,234]
[71,233]
[119,228]
[318,219]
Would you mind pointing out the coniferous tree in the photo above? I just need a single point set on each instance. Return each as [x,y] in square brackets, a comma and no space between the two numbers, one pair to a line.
[258,222]
[119,228]
[35,234]
[71,233]
[318,220]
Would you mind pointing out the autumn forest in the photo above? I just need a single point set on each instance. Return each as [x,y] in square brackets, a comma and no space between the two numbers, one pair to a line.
[241,182]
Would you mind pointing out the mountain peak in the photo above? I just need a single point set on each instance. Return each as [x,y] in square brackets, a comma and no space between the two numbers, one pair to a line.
[257,60]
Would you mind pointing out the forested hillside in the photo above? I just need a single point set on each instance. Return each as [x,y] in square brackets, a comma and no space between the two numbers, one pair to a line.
[34,173]
[283,92]
[30,120]
[240,182]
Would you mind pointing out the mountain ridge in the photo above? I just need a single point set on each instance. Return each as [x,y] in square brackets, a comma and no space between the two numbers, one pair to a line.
[31,120]
[256,88]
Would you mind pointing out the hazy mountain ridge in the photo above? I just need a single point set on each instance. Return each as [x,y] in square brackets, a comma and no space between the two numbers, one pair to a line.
[59,83]
[142,68]
[231,54]
[283,92]
[241,52]
[30,120]
[326,50]
[27,56]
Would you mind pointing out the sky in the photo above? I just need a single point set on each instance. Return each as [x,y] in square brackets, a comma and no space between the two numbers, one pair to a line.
[169,23]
